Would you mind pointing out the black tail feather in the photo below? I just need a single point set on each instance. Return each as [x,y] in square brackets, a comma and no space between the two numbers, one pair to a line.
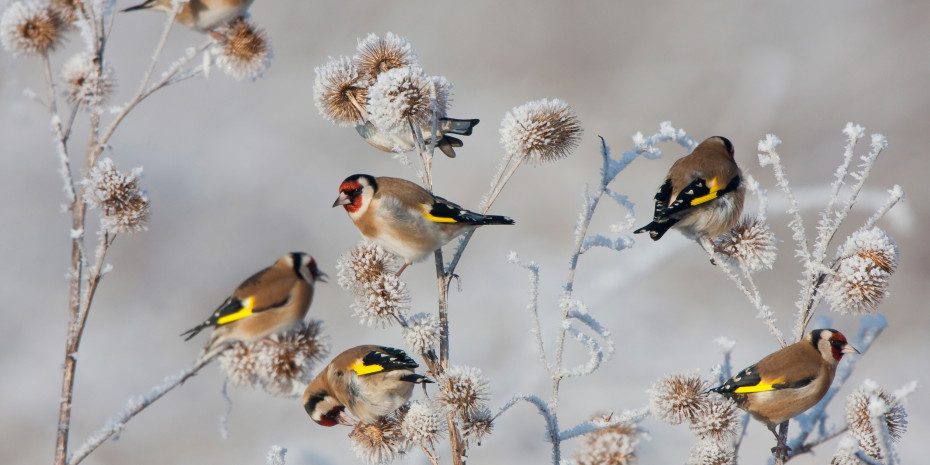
[656,230]
[479,219]
[142,6]
[461,126]
[416,379]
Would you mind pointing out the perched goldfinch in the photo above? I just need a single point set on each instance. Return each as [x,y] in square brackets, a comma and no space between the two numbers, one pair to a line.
[273,300]
[702,195]
[405,142]
[369,381]
[790,381]
[200,15]
[405,218]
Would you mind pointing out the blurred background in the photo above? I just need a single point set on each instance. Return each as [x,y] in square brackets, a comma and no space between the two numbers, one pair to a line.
[240,173]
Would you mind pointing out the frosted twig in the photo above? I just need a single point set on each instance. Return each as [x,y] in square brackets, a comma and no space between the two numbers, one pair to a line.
[61,145]
[593,426]
[276,455]
[533,307]
[895,195]
[552,425]
[861,455]
[133,407]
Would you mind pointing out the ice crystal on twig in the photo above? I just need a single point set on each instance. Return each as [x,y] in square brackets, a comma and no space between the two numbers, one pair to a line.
[750,243]
[402,97]
[380,442]
[82,84]
[541,131]
[31,27]
[422,332]
[711,453]
[125,207]
[244,52]
[282,364]
[377,55]
[717,419]
[865,404]
[861,273]
[676,398]
[340,92]
[422,425]
[276,455]
[614,445]
[463,389]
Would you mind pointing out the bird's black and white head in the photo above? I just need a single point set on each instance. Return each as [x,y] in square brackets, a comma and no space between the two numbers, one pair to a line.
[322,407]
[831,344]
[305,266]
[355,193]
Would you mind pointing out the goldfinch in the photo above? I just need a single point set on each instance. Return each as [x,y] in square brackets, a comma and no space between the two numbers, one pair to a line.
[702,195]
[368,381]
[199,15]
[405,142]
[271,301]
[790,381]
[405,218]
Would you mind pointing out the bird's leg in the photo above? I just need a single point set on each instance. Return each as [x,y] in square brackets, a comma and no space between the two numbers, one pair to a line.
[708,245]
[781,448]
[401,270]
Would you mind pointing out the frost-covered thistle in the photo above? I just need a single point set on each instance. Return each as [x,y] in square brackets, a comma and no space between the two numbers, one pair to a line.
[846,452]
[861,274]
[679,397]
[860,409]
[477,424]
[340,92]
[423,424]
[362,265]
[67,10]
[245,52]
[381,442]
[614,445]
[750,242]
[711,453]
[463,389]
[82,84]
[31,27]
[403,96]
[377,55]
[717,419]
[422,332]
[541,131]
[282,364]
[125,207]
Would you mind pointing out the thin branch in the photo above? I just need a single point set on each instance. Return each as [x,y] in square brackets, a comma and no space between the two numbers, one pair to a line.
[134,406]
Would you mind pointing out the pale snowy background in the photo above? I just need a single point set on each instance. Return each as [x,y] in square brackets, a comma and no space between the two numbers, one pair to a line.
[241,173]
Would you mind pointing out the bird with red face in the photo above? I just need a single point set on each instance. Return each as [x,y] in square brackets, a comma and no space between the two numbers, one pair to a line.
[404,218]
[788,382]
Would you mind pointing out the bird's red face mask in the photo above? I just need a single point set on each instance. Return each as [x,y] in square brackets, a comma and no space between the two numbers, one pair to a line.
[350,196]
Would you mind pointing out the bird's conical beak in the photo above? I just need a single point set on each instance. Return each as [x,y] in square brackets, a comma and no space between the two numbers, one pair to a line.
[848,349]
[320,276]
[342,200]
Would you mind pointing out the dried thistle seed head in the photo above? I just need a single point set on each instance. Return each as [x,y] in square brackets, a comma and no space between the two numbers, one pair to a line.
[614,445]
[541,131]
[363,265]
[712,453]
[463,389]
[31,27]
[477,424]
[340,92]
[423,424]
[245,52]
[750,242]
[869,401]
[679,397]
[238,365]
[404,96]
[422,332]
[125,208]
[383,301]
[846,452]
[380,442]
[284,363]
[82,83]
[861,274]
[377,55]
[717,419]
[67,10]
